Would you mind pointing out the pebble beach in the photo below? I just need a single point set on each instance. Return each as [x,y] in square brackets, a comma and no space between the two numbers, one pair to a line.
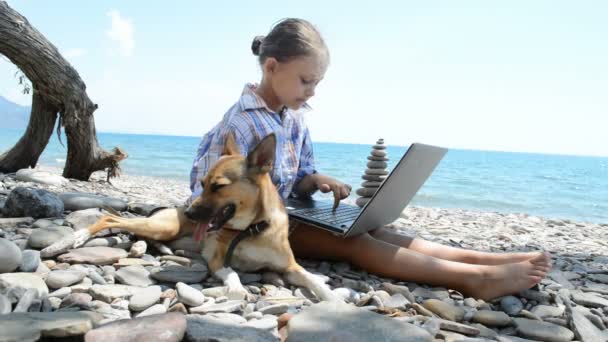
[119,285]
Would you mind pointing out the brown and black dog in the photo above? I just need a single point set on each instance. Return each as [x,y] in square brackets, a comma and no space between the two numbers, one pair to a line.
[238,195]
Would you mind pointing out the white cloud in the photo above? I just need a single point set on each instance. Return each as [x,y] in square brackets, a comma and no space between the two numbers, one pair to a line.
[121,32]
[76,52]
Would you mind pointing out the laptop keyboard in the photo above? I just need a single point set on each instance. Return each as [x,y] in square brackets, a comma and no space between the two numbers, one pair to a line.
[343,214]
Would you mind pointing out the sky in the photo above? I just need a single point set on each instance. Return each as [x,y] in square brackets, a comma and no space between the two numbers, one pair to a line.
[522,76]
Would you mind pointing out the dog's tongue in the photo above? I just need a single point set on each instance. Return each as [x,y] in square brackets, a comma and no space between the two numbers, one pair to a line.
[199,231]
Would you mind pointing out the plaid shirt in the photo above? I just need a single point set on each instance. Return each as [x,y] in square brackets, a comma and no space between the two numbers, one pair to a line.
[250,120]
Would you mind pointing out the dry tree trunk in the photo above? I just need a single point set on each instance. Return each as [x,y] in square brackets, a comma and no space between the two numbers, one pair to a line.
[57,89]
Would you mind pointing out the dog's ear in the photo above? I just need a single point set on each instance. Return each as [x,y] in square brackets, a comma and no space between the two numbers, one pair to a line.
[261,159]
[230,148]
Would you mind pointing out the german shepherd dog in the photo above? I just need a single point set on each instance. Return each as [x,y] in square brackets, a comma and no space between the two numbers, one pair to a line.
[238,194]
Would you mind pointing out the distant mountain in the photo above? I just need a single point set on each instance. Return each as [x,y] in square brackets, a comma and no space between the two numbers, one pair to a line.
[13,115]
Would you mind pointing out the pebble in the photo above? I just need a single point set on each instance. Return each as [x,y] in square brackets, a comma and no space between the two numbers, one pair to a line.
[30,260]
[511,305]
[59,279]
[543,331]
[444,310]
[145,298]
[10,256]
[135,275]
[492,318]
[189,296]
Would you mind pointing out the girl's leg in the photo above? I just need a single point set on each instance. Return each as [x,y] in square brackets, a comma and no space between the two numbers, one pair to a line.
[388,260]
[451,253]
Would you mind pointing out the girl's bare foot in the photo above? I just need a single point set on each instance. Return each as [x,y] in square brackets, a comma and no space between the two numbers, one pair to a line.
[508,258]
[500,280]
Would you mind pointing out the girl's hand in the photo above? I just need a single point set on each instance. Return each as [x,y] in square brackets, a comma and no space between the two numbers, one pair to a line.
[326,184]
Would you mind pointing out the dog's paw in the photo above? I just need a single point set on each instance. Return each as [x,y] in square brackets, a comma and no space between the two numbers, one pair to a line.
[81,237]
[330,296]
[237,292]
[58,247]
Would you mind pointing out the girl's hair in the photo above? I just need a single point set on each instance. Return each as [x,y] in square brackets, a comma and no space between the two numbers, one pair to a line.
[288,39]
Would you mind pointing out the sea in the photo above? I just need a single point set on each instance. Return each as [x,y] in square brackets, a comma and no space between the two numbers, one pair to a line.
[548,185]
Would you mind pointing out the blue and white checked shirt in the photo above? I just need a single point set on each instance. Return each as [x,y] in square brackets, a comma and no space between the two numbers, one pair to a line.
[250,120]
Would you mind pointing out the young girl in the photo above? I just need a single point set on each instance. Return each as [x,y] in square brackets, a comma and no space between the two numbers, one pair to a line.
[294,58]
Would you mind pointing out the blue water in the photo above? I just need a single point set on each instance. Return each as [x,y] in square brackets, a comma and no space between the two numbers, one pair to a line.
[552,186]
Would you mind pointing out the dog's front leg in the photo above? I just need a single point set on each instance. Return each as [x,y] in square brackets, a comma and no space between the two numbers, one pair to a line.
[297,275]
[234,288]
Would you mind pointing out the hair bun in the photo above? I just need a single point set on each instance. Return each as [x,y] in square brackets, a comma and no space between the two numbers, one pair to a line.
[256,45]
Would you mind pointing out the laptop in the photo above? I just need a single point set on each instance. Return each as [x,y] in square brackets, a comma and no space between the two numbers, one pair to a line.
[384,207]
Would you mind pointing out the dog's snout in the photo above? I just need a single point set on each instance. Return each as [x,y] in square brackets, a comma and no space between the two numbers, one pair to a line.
[197,213]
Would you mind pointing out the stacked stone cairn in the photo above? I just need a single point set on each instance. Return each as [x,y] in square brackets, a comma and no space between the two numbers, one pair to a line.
[374,174]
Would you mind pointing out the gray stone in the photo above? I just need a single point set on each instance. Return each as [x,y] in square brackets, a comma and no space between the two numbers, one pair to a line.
[59,279]
[42,223]
[394,289]
[275,309]
[542,331]
[589,300]
[5,305]
[227,317]
[169,327]
[36,203]
[135,275]
[38,176]
[23,281]
[108,293]
[189,296]
[44,237]
[93,255]
[347,322]
[366,192]
[175,274]
[396,301]
[10,256]
[377,158]
[81,300]
[214,292]
[511,305]
[377,164]
[373,178]
[361,201]
[376,172]
[30,260]
[145,298]
[74,201]
[267,323]
[369,184]
[600,278]
[12,222]
[541,297]
[61,293]
[377,153]
[444,310]
[205,329]
[595,287]
[543,311]
[32,326]
[82,219]
[492,318]
[227,306]
[109,241]
[156,309]
[138,249]
[26,300]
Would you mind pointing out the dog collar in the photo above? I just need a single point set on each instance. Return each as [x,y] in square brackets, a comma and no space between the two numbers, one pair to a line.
[251,231]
